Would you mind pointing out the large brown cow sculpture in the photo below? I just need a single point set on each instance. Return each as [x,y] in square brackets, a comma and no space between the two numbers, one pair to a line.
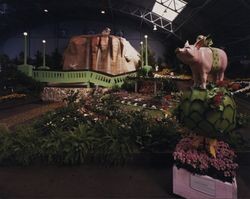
[102,52]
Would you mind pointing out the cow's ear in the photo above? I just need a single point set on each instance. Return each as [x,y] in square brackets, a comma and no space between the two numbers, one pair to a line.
[200,43]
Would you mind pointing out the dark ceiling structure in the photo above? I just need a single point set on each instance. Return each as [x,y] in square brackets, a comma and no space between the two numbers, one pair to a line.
[227,21]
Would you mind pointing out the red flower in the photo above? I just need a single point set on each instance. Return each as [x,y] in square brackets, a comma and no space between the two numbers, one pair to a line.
[235,86]
[218,98]
[222,83]
[168,97]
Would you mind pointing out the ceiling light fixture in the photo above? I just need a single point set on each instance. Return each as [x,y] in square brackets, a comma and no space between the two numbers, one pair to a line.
[103,12]
[45,10]
[155,28]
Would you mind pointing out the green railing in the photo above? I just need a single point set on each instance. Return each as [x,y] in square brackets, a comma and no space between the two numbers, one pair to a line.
[85,76]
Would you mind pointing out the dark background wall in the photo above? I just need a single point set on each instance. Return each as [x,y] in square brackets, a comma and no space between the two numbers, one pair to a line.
[58,34]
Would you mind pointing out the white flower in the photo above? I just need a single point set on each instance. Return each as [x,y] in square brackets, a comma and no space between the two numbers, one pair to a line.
[135,104]
[85,114]
[129,103]
[154,107]
[122,101]
[144,105]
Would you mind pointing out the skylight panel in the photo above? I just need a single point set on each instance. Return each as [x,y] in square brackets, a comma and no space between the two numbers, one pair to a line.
[168,9]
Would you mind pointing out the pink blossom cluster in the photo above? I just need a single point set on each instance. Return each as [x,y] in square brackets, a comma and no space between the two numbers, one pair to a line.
[201,161]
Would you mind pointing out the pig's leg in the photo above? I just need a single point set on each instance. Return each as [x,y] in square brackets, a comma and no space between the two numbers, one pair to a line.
[204,80]
[194,76]
[215,77]
[196,79]
[221,76]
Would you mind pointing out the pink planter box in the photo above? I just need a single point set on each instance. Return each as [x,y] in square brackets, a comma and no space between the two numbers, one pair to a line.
[191,186]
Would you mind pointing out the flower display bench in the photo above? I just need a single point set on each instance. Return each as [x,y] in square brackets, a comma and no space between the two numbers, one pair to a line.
[192,186]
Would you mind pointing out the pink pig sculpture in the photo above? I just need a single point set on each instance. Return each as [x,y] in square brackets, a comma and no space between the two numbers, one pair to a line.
[202,61]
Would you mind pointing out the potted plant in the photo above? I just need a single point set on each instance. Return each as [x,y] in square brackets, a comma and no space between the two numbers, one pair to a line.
[199,174]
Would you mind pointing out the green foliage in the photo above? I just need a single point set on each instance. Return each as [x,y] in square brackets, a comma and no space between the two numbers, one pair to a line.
[169,85]
[3,129]
[67,147]
[114,145]
[128,85]
[12,78]
[63,119]
[32,86]
[242,119]
[151,134]
[151,56]
[237,141]
[115,88]
[145,71]
[38,58]
[4,60]
[72,98]
[78,145]
[56,60]
[67,136]
[19,147]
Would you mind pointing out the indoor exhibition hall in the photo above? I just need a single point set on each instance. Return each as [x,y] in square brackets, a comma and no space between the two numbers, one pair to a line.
[125,99]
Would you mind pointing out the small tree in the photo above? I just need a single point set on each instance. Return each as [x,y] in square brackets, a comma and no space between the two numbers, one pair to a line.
[56,59]
[38,58]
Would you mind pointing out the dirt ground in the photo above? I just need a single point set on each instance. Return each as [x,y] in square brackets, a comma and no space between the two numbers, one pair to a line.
[24,113]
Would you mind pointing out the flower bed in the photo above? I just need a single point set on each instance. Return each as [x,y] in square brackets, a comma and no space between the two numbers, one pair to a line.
[244,90]
[11,97]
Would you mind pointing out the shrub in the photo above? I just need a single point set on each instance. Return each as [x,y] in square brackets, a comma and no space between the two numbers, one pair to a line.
[19,147]
[128,85]
[63,119]
[77,145]
[114,145]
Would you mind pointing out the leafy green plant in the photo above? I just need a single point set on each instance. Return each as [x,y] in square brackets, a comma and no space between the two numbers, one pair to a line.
[64,119]
[78,145]
[19,147]
[242,120]
[29,85]
[128,85]
[114,146]
[50,148]
[3,129]
[169,85]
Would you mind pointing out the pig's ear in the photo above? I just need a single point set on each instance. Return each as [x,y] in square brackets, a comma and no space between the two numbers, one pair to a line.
[200,43]
[186,44]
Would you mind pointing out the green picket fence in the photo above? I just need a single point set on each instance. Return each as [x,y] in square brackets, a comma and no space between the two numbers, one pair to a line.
[84,76]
